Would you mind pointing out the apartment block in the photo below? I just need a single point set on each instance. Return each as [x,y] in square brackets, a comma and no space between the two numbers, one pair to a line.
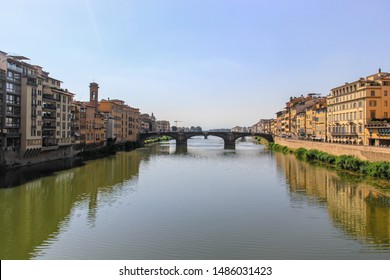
[57,113]
[35,110]
[13,68]
[353,105]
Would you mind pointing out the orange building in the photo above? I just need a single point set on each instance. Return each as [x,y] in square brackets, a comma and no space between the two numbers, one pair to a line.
[122,120]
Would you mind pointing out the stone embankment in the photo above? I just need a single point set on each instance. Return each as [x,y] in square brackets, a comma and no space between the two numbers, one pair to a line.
[369,153]
[13,159]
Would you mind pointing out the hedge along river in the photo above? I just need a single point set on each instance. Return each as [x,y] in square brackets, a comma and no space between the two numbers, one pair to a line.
[200,203]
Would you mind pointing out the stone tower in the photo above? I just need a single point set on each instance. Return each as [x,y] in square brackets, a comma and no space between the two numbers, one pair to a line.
[94,94]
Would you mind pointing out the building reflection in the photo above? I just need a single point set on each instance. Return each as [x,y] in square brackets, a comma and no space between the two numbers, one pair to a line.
[354,205]
[35,212]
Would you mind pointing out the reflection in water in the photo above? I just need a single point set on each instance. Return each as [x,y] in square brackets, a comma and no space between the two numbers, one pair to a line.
[21,175]
[36,211]
[204,202]
[356,207]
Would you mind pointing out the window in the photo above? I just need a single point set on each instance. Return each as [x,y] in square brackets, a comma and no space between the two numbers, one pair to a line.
[372,103]
[385,114]
[14,122]
[385,94]
[372,114]
[385,103]
[373,93]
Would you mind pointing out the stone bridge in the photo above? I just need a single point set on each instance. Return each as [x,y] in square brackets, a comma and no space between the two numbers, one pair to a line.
[182,137]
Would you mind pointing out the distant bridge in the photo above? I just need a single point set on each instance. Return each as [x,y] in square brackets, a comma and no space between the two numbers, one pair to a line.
[182,137]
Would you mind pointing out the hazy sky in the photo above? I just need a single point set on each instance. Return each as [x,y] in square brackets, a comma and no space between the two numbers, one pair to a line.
[213,63]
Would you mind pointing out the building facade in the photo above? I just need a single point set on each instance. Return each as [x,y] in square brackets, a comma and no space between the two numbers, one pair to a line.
[163,126]
[378,131]
[353,105]
[36,111]
[122,121]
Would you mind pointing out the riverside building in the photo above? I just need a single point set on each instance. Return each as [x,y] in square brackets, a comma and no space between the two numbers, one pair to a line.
[121,119]
[353,105]
[35,112]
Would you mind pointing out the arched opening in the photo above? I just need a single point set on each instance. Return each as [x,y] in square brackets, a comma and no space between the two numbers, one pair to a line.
[210,142]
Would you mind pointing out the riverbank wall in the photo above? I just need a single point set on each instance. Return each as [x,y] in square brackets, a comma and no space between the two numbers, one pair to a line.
[369,153]
[11,159]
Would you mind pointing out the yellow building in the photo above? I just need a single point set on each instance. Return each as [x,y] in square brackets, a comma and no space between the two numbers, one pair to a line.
[301,124]
[122,120]
[319,121]
[316,119]
[352,106]
[299,118]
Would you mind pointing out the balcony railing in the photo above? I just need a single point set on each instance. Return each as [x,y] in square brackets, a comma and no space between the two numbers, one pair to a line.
[14,68]
[49,127]
[344,134]
[12,102]
[50,97]
[13,91]
[49,107]
[48,116]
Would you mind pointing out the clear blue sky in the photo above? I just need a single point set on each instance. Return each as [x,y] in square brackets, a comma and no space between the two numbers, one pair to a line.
[213,63]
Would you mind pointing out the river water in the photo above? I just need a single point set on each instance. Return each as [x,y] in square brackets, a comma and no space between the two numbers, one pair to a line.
[200,203]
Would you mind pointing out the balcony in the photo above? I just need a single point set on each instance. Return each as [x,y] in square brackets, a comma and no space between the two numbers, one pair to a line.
[48,116]
[354,134]
[32,82]
[50,97]
[49,107]
[13,79]
[13,102]
[49,127]
[14,91]
[12,125]
[14,68]
[48,133]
